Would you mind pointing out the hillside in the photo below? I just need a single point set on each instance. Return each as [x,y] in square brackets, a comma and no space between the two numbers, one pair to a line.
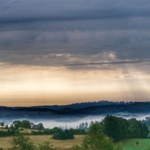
[80,109]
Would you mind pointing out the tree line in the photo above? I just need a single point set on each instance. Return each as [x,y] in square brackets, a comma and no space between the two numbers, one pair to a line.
[104,135]
[100,135]
[119,128]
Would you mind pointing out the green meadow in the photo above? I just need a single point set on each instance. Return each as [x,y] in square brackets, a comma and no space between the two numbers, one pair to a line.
[135,144]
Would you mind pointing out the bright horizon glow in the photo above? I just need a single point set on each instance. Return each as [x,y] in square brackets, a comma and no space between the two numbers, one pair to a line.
[37,85]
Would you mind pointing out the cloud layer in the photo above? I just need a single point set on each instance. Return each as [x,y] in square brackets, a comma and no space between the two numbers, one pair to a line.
[31,31]
[62,50]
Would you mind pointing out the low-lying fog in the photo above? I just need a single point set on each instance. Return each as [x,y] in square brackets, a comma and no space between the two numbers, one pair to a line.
[73,122]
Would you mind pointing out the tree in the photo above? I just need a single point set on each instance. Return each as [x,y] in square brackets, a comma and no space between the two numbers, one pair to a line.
[2,124]
[115,127]
[23,124]
[26,124]
[96,140]
[137,129]
[20,142]
[16,124]
[63,135]
[119,128]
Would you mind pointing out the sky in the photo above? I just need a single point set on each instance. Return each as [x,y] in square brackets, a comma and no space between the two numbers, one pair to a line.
[71,51]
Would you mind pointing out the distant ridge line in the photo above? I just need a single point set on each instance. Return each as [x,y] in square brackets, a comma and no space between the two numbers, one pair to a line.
[77,109]
[80,105]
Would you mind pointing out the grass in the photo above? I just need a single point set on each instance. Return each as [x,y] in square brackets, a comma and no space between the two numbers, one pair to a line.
[22,130]
[131,144]
[3,129]
[5,142]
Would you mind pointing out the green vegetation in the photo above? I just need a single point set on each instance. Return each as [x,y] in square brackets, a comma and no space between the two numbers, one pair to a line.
[2,124]
[131,144]
[8,132]
[23,127]
[96,140]
[41,139]
[21,142]
[63,134]
[119,128]
[56,129]
[112,133]
[21,124]
[46,146]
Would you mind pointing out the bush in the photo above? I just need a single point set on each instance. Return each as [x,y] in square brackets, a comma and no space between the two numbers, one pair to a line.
[96,140]
[46,146]
[119,128]
[22,124]
[63,135]
[20,142]
[78,131]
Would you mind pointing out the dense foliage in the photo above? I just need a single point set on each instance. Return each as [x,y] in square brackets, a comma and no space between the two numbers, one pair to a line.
[21,142]
[96,140]
[119,128]
[23,124]
[63,135]
[146,121]
[9,132]
[56,129]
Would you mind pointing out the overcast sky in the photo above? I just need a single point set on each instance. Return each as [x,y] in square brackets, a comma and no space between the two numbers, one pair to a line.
[102,43]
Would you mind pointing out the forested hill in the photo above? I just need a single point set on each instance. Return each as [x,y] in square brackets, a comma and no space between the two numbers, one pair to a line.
[91,108]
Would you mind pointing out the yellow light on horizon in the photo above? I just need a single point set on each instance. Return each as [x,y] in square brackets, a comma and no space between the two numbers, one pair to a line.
[27,85]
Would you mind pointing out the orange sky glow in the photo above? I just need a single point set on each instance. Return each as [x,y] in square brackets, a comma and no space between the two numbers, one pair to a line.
[37,85]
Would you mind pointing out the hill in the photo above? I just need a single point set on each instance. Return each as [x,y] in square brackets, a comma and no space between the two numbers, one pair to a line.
[79,109]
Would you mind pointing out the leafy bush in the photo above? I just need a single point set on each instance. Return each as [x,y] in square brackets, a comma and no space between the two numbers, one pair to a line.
[96,140]
[20,142]
[63,135]
[23,124]
[9,132]
[119,128]
[46,146]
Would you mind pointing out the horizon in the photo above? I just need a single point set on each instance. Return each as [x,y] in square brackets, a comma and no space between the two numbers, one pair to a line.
[68,104]
[66,51]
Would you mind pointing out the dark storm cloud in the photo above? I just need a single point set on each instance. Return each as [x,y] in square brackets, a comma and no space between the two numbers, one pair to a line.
[80,15]
[44,32]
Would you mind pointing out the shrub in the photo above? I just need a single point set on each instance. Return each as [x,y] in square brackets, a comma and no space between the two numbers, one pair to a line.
[20,142]
[46,146]
[96,140]
[63,135]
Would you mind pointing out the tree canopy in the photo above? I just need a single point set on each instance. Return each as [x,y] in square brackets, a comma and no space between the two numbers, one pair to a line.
[119,128]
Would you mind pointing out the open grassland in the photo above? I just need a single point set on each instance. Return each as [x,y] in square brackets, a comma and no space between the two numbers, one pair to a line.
[131,144]
[5,142]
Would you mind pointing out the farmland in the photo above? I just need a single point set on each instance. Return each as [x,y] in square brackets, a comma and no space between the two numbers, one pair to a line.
[5,142]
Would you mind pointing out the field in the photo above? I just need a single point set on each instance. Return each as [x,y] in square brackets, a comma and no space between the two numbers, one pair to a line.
[5,142]
[131,144]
